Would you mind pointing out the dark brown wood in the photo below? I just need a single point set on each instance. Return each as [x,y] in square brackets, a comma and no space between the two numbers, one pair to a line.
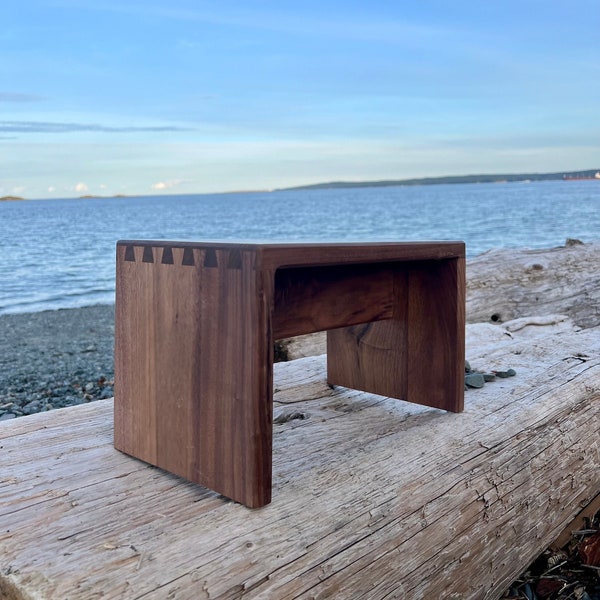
[416,356]
[193,369]
[195,324]
[320,298]
[436,341]
[372,357]
[275,256]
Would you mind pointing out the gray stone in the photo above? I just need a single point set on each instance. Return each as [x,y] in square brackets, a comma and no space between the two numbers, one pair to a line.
[474,380]
[31,407]
[505,374]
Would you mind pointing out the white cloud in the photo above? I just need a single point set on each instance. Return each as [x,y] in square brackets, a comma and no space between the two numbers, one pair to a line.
[51,188]
[165,185]
[81,187]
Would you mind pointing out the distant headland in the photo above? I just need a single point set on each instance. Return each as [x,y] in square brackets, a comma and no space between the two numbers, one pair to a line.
[593,174]
[94,197]
[87,197]
[502,178]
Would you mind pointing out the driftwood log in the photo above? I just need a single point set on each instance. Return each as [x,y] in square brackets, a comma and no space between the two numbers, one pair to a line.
[373,498]
[506,284]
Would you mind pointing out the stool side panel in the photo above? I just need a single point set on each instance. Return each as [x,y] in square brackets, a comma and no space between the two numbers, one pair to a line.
[436,341]
[418,355]
[192,377]
[372,356]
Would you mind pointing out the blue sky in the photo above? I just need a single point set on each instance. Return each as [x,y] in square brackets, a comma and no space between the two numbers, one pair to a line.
[181,96]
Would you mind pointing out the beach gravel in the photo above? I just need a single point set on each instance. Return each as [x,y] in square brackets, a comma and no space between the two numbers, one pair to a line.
[56,358]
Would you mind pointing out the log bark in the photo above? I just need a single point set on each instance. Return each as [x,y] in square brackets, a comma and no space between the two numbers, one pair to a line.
[373,498]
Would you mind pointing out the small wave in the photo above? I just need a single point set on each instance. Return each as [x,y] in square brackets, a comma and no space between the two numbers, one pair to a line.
[76,299]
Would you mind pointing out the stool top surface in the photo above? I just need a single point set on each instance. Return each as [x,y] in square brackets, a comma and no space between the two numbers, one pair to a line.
[273,255]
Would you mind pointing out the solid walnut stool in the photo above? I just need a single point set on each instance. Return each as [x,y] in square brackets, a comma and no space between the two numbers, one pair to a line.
[194,331]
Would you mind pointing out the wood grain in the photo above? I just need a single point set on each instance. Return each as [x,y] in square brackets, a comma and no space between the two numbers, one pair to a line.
[436,339]
[194,332]
[373,357]
[192,369]
[373,498]
[564,280]
[415,356]
[316,299]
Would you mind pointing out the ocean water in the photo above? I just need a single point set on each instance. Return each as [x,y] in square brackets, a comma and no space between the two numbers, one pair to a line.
[60,253]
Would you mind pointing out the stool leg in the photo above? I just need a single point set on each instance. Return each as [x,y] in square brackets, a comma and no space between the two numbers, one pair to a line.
[418,355]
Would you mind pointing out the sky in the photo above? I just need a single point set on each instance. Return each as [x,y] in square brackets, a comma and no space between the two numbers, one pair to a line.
[107,97]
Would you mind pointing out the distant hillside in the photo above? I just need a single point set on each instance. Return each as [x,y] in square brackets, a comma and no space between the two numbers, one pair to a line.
[502,178]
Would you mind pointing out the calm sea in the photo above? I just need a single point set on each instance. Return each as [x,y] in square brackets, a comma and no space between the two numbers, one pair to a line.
[60,253]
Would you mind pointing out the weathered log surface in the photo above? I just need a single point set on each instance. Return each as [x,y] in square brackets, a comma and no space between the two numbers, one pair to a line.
[373,498]
[506,284]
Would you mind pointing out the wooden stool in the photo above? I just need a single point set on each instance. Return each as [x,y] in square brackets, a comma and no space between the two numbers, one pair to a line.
[195,325]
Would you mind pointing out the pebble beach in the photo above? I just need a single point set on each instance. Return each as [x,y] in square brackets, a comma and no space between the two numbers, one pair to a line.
[54,359]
